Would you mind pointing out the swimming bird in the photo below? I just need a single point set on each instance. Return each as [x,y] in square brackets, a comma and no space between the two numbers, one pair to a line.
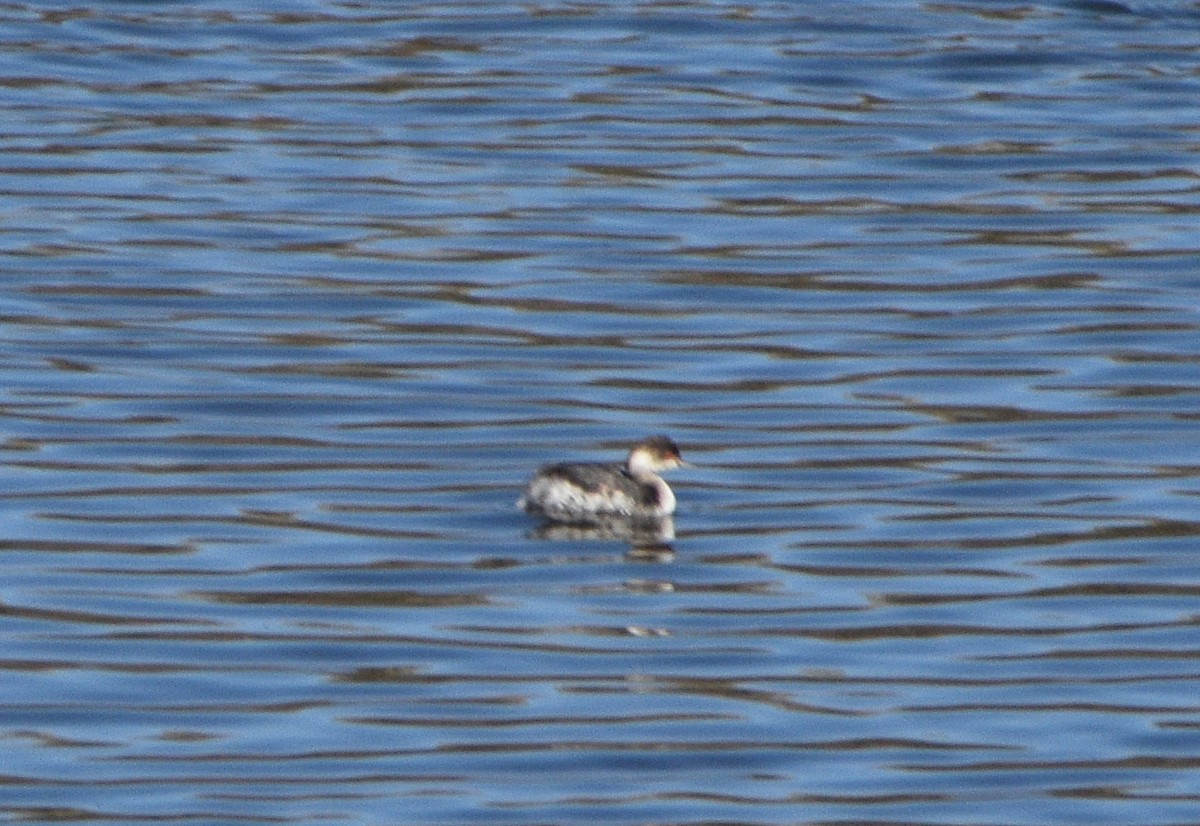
[586,491]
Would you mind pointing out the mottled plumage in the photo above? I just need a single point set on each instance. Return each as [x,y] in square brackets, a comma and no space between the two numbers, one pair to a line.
[569,492]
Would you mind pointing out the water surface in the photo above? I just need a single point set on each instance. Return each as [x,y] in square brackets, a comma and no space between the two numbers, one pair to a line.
[295,297]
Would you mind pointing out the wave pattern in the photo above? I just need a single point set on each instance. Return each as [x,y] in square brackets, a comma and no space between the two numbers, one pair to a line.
[293,299]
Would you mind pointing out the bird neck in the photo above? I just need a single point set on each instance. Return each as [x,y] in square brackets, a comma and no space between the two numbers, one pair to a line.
[638,467]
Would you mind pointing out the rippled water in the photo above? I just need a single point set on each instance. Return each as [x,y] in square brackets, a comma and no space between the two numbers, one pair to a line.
[294,298]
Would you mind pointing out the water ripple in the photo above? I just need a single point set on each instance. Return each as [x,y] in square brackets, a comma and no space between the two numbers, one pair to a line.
[295,298]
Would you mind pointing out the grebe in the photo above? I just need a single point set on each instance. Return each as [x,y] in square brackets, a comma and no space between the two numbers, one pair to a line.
[588,490]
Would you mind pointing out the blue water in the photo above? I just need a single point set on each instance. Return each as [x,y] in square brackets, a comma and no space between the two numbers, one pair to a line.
[295,297]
